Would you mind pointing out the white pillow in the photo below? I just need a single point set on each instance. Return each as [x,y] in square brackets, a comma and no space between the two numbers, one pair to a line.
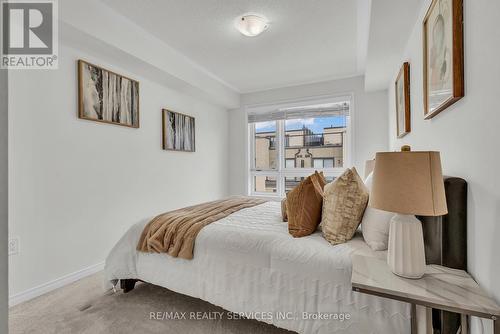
[375,224]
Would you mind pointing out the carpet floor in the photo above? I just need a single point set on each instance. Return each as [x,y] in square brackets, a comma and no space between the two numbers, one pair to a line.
[82,307]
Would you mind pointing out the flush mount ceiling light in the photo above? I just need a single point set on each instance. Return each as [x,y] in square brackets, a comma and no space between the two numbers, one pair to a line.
[251,24]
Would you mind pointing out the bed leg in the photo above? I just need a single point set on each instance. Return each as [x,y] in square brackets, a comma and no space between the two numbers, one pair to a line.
[127,285]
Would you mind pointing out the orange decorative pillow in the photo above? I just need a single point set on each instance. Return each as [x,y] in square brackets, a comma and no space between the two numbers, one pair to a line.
[304,204]
[284,213]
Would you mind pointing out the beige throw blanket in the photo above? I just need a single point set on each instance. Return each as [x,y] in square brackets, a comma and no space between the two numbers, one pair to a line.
[175,232]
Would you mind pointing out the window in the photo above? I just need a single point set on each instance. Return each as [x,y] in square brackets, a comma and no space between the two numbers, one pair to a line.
[323,163]
[288,144]
[265,184]
[265,152]
[289,163]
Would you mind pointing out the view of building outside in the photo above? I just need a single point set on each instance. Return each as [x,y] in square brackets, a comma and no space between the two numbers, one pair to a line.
[314,143]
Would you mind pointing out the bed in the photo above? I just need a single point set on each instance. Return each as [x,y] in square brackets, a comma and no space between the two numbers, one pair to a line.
[248,263]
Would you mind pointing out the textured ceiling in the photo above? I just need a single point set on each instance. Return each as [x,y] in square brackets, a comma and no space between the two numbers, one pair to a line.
[308,41]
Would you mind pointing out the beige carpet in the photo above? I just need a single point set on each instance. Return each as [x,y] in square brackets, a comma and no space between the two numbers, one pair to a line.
[82,307]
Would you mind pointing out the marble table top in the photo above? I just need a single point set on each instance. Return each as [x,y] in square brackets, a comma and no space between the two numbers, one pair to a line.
[443,288]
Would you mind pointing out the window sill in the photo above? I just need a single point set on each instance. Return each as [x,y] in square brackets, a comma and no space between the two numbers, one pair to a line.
[276,198]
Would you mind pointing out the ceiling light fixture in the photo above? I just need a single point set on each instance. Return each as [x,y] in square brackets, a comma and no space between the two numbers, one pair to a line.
[251,24]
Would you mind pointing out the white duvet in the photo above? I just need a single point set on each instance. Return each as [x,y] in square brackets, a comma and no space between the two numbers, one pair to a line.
[248,263]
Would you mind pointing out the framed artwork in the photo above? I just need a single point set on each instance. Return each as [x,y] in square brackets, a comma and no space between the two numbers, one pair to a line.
[443,56]
[107,97]
[178,131]
[403,117]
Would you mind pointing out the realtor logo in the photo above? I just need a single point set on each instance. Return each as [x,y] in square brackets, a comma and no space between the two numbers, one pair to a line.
[29,34]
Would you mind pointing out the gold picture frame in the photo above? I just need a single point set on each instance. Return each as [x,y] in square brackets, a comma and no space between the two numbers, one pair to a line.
[107,97]
[403,114]
[178,131]
[443,61]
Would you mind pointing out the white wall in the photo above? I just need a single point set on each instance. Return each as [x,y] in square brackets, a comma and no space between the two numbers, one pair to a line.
[76,186]
[3,199]
[466,133]
[370,122]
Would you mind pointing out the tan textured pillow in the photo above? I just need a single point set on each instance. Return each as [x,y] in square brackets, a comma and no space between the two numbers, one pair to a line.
[284,213]
[304,204]
[344,203]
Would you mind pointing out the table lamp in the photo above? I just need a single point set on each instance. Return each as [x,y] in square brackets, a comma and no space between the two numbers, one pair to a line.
[408,184]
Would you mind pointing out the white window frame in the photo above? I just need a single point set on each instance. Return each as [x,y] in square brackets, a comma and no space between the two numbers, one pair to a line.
[281,172]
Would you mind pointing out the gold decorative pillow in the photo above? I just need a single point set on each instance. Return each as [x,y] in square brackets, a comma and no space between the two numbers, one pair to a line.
[344,202]
[284,214]
[304,204]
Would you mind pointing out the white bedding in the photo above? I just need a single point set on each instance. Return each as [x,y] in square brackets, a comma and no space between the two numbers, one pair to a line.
[247,262]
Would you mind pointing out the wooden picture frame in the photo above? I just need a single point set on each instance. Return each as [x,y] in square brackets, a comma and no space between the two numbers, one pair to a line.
[178,131]
[402,94]
[443,61]
[107,97]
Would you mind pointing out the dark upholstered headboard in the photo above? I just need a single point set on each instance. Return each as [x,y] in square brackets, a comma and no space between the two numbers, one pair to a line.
[446,236]
[446,243]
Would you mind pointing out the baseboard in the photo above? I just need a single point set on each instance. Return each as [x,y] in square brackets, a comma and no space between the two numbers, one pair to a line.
[54,284]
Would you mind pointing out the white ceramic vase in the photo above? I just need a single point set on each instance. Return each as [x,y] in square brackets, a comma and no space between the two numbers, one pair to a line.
[406,254]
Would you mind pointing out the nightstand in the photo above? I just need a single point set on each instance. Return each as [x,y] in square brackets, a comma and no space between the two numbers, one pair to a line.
[441,288]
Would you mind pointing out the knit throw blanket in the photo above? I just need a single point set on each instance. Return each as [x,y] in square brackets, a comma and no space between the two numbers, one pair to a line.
[175,232]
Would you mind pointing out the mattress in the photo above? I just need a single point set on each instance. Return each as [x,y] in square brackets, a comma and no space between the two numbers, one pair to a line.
[249,264]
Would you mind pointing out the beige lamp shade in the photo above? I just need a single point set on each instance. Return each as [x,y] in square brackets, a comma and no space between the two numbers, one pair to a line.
[369,166]
[409,183]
